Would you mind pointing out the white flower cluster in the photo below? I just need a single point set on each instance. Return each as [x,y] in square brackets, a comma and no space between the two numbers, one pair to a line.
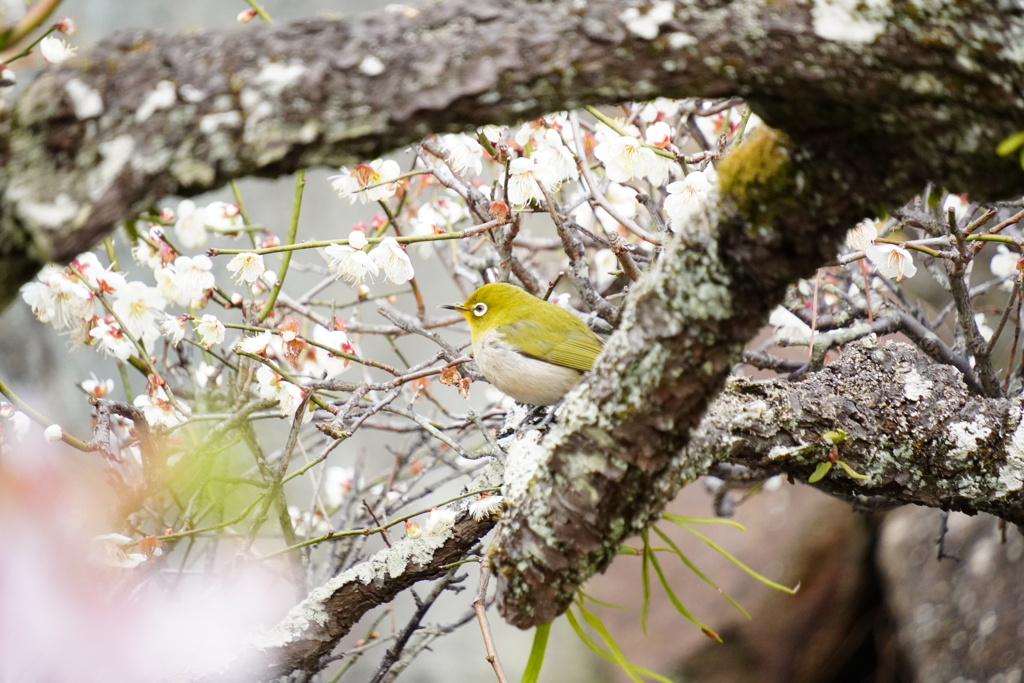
[351,262]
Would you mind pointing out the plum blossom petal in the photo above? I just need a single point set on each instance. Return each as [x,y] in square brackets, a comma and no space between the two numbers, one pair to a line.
[247,267]
[391,258]
[891,260]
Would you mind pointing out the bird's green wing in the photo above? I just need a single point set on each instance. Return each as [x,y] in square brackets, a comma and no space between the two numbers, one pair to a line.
[569,345]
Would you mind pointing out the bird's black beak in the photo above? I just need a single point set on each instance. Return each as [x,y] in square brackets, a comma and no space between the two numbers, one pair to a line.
[454,307]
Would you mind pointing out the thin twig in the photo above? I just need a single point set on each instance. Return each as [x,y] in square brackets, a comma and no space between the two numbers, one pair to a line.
[383,530]
[480,607]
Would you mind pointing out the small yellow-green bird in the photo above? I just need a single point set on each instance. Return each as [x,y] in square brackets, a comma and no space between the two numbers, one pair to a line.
[532,350]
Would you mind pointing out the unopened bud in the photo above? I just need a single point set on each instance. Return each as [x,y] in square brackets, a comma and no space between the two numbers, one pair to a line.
[67,26]
[499,210]
[53,433]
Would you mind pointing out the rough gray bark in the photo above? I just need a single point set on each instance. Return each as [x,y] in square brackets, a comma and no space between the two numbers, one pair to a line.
[146,115]
[912,427]
[915,94]
[313,627]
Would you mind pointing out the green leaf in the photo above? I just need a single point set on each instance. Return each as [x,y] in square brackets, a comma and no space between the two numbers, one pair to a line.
[1010,144]
[676,602]
[628,667]
[594,600]
[536,660]
[693,568]
[850,472]
[683,520]
[645,581]
[820,471]
[587,640]
[732,558]
[835,437]
[619,661]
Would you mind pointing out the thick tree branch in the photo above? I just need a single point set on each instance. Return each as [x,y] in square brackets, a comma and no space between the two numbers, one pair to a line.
[314,626]
[923,94]
[613,462]
[912,427]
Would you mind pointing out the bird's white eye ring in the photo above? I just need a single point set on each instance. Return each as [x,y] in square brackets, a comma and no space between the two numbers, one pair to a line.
[479,309]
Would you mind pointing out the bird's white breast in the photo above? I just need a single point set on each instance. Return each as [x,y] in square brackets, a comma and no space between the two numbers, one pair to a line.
[525,379]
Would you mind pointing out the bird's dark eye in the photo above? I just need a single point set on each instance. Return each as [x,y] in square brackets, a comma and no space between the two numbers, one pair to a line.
[479,309]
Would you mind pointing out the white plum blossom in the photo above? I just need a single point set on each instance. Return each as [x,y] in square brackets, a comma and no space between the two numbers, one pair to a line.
[97,387]
[984,330]
[789,328]
[338,482]
[323,363]
[205,372]
[533,132]
[108,550]
[661,108]
[158,409]
[55,50]
[223,217]
[891,260]
[661,168]
[308,523]
[391,258]
[256,344]
[147,253]
[247,267]
[439,521]
[624,156]
[486,507]
[959,204]
[270,385]
[96,276]
[168,286]
[862,235]
[193,277]
[8,79]
[59,299]
[20,423]
[349,261]
[687,198]
[525,179]
[492,133]
[1004,265]
[433,218]
[211,330]
[660,135]
[190,226]
[138,305]
[111,340]
[552,152]
[367,182]
[463,152]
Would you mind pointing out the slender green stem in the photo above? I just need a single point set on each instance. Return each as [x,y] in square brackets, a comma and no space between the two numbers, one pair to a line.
[260,12]
[405,239]
[293,229]
[32,20]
